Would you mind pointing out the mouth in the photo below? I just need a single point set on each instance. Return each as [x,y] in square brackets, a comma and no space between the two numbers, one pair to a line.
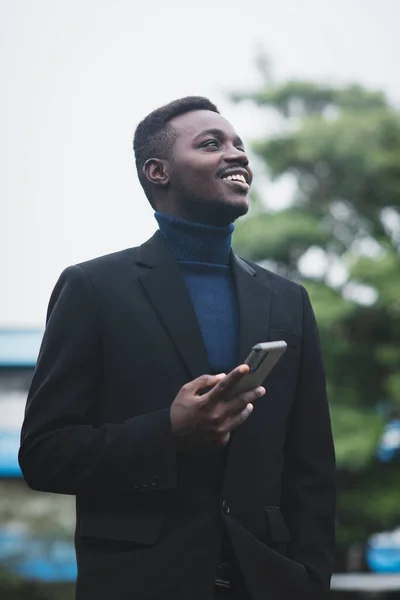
[238,179]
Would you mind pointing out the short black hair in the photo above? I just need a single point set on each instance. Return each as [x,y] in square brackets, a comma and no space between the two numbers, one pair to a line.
[154,138]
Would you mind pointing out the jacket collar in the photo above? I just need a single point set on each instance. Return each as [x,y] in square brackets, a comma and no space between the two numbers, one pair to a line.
[165,289]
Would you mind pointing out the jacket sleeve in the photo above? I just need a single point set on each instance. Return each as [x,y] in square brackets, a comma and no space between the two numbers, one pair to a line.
[62,450]
[308,492]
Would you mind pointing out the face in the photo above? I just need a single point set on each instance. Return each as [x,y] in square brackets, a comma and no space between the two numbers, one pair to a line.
[208,170]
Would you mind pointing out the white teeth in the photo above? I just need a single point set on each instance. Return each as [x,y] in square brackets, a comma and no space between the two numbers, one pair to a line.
[235,177]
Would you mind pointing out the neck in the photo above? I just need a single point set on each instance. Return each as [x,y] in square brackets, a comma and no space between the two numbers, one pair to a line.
[195,242]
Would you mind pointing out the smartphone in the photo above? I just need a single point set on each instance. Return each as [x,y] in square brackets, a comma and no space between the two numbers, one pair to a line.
[261,360]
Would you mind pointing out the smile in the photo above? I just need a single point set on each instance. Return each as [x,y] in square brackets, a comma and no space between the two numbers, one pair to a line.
[235,177]
[237,181]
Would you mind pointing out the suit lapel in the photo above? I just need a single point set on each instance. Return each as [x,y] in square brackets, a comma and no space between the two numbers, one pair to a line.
[254,300]
[166,290]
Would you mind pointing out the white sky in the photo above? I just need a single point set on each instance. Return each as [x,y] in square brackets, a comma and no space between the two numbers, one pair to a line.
[77,76]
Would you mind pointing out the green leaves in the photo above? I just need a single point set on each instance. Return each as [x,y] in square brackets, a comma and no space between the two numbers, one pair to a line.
[357,433]
[281,237]
[294,98]
[383,273]
[342,146]
[297,98]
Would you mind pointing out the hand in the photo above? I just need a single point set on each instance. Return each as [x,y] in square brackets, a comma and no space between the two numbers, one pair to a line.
[206,410]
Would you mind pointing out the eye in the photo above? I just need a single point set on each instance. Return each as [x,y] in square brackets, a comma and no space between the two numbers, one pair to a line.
[210,144]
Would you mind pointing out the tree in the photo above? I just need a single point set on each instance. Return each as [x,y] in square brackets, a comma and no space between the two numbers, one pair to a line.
[341,148]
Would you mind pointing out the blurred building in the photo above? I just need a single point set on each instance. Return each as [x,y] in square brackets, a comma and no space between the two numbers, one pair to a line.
[36,529]
[18,354]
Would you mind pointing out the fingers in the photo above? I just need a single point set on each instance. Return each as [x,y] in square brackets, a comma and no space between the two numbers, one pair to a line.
[203,383]
[235,413]
[239,403]
[233,423]
[242,417]
[225,439]
[214,408]
[225,386]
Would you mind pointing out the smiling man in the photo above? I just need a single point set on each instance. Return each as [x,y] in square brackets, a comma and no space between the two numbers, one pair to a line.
[185,489]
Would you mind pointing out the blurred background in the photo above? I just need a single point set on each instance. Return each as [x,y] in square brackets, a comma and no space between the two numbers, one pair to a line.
[313,87]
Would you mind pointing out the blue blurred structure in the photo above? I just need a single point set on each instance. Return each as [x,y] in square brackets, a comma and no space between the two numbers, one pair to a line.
[18,354]
[383,549]
[9,443]
[39,557]
[19,347]
[389,444]
[383,552]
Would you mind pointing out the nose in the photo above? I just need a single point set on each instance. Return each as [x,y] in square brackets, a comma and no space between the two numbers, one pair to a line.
[233,155]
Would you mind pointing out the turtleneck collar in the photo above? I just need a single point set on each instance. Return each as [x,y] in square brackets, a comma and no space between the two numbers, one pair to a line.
[195,242]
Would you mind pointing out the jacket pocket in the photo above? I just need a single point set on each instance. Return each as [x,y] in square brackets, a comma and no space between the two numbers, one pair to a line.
[138,527]
[277,531]
[292,339]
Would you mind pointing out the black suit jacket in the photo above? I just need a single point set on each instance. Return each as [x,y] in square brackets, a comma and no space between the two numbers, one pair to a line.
[121,339]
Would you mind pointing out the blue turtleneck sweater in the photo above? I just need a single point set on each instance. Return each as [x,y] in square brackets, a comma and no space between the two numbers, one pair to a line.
[203,254]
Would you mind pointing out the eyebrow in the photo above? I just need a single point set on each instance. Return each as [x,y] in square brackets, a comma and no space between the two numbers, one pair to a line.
[220,134]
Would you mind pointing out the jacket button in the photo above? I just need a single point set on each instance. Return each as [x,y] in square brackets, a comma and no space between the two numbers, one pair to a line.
[154,481]
[226,509]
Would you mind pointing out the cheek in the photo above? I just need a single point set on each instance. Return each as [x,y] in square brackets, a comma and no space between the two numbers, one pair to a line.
[199,166]
[196,180]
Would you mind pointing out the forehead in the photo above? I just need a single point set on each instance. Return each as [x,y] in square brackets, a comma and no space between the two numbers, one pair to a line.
[193,123]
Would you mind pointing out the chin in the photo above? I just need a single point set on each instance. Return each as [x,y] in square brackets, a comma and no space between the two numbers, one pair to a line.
[230,210]
[218,212]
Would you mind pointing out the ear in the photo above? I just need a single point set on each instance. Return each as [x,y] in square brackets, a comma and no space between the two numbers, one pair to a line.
[156,172]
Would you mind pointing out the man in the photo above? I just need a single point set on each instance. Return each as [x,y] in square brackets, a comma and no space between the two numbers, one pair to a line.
[184,489]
